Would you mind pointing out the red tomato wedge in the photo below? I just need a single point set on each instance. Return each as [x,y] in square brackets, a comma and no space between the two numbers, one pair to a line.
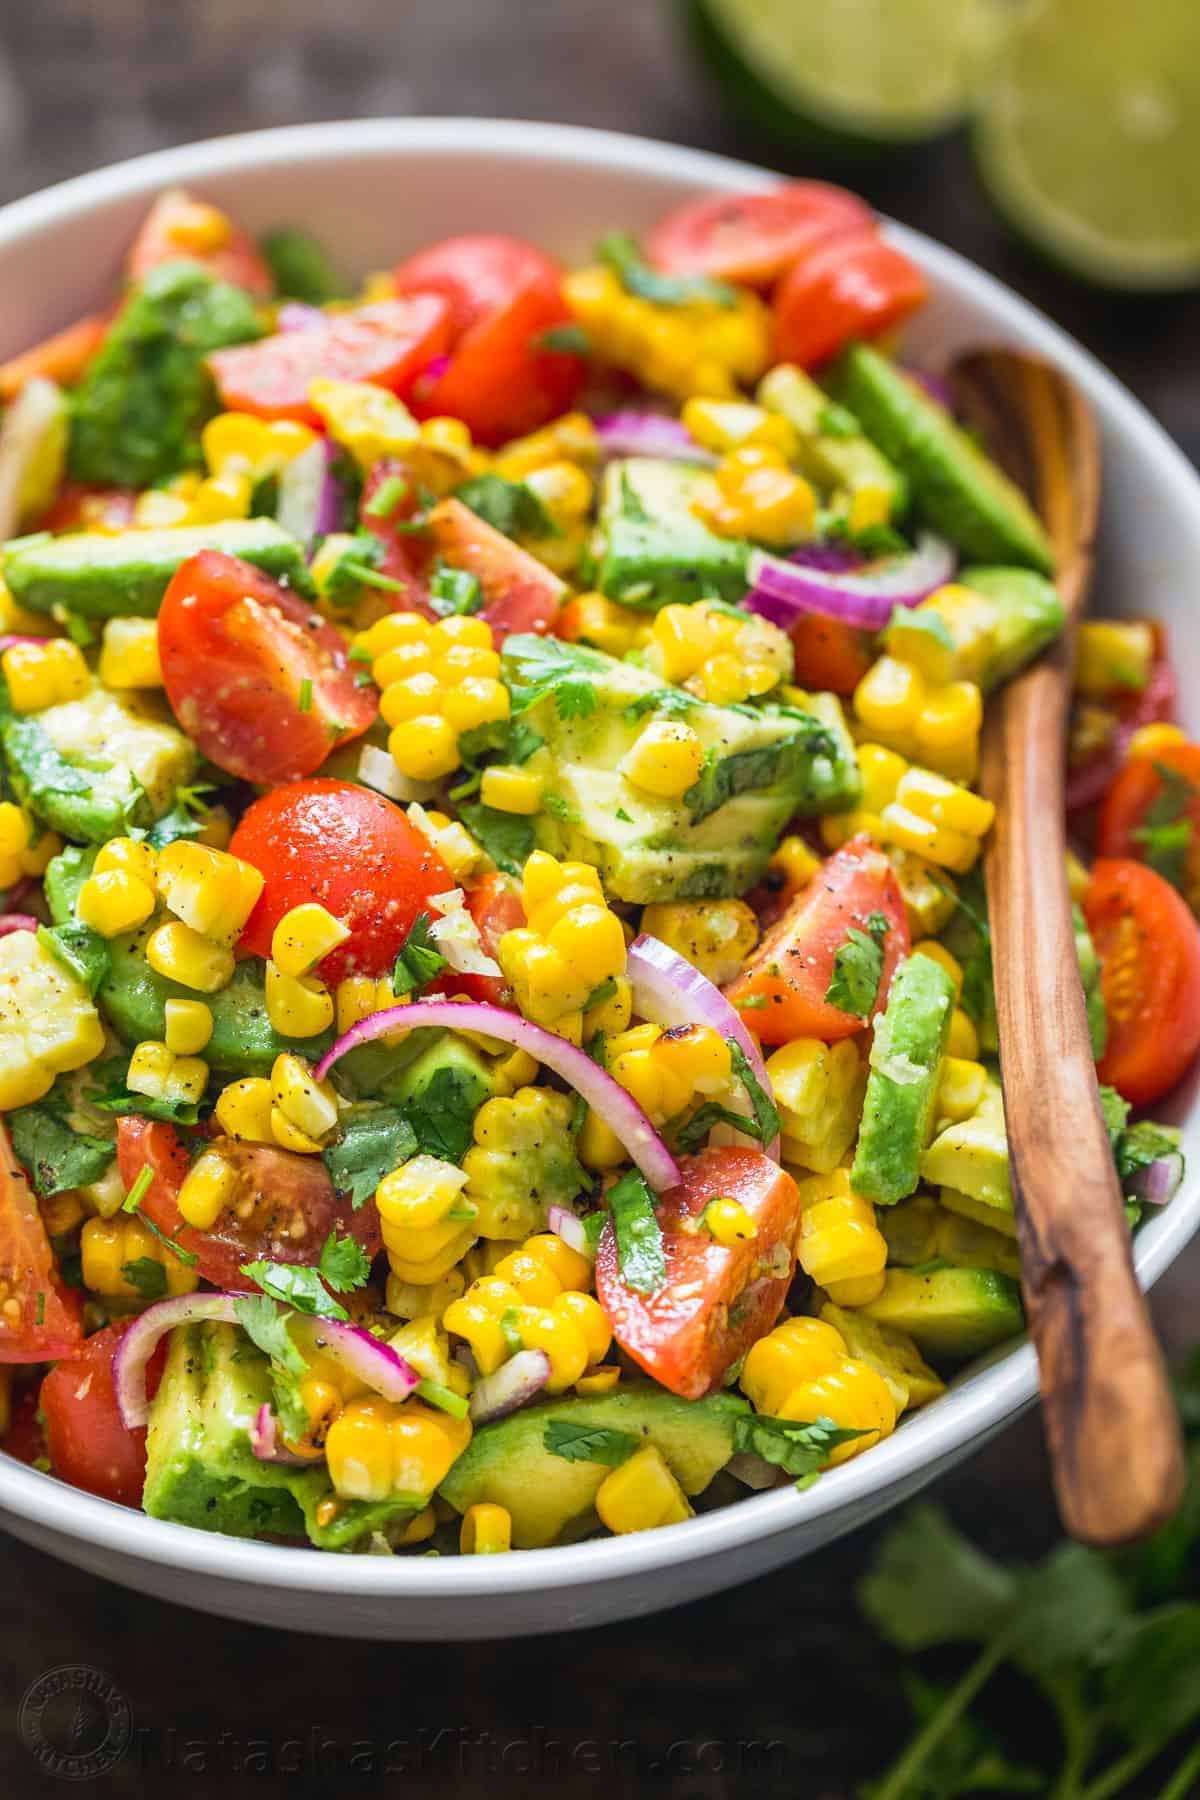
[787,977]
[1142,819]
[850,287]
[87,1441]
[1149,949]
[178,226]
[505,295]
[291,1207]
[715,1301]
[40,1319]
[349,849]
[830,655]
[61,358]
[388,344]
[406,555]
[519,592]
[754,237]
[260,682]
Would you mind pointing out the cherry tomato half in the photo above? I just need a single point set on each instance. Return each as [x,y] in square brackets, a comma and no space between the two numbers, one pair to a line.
[754,237]
[258,680]
[40,1318]
[87,1441]
[716,1300]
[169,233]
[789,974]
[849,287]
[292,1205]
[407,557]
[1149,949]
[349,849]
[388,344]
[519,592]
[830,656]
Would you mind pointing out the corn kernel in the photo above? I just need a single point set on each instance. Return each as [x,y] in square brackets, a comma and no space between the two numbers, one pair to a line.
[728,1222]
[303,936]
[425,748]
[243,1110]
[1152,740]
[486,1530]
[666,759]
[181,954]
[641,1494]
[511,789]
[211,891]
[188,1026]
[209,1186]
[716,936]
[308,1104]
[129,654]
[800,1370]
[938,953]
[962,1084]
[44,675]
[150,1070]
[962,1040]
[114,902]
[298,1006]
[1113,656]
[131,857]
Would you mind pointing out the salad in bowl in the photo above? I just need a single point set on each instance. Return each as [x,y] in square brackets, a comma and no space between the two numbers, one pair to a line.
[496,1028]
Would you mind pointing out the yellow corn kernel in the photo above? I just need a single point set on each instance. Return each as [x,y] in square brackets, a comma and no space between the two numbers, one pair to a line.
[511,789]
[376,1448]
[43,675]
[641,1494]
[938,953]
[114,902]
[188,1026]
[130,857]
[947,729]
[1113,656]
[572,435]
[298,1006]
[14,831]
[800,1370]
[727,424]
[572,1271]
[182,955]
[687,637]
[534,1281]
[208,1188]
[129,654]
[882,771]
[565,491]
[754,494]
[599,1146]
[839,1244]
[18,621]
[716,936]
[598,1381]
[211,891]
[150,1070]
[427,1271]
[367,420]
[310,1105]
[476,700]
[256,447]
[107,1249]
[962,1084]
[962,1040]
[607,624]
[888,701]
[929,894]
[420,1193]
[453,842]
[728,1222]
[408,1301]
[665,760]
[1152,740]
[425,748]
[486,1530]
[948,637]
[305,935]
[696,348]
[243,1110]
[36,858]
[355,999]
[939,820]
[820,1089]
[793,860]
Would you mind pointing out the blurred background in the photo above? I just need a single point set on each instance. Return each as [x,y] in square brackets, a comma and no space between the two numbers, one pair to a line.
[1082,129]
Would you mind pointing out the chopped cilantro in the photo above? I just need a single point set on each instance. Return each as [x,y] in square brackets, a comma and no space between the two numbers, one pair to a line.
[1167,827]
[419,960]
[343,1263]
[454,593]
[858,968]
[796,1447]
[641,1259]
[80,949]
[620,252]
[575,1441]
[55,1155]
[508,506]
[296,1286]
[507,837]
[373,1141]
[147,1276]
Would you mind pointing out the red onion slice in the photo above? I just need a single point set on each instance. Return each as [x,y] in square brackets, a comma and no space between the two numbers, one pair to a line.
[266,1442]
[1158,1181]
[568,1226]
[10,638]
[668,990]
[515,1383]
[634,432]
[295,315]
[782,590]
[310,500]
[10,922]
[619,1110]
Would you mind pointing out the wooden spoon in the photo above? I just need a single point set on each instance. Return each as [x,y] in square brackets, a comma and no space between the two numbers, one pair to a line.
[1112,1428]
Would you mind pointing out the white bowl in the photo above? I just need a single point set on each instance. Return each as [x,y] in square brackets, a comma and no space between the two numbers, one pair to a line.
[372,191]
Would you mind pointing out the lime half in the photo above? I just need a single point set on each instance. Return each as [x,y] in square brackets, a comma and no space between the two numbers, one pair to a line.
[868,73]
[1088,137]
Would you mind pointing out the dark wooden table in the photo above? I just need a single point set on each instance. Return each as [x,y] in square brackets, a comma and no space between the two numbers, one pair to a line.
[686,1697]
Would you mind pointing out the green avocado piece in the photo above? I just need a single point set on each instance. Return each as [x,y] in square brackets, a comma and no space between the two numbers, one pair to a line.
[898,1112]
[832,451]
[891,1353]
[919,1231]
[550,1498]
[971,1155]
[652,549]
[950,1314]
[762,765]
[1029,615]
[983,627]
[992,1216]
[147,391]
[127,575]
[957,488]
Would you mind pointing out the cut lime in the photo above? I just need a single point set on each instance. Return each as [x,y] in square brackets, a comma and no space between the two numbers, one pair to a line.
[867,73]
[1088,137]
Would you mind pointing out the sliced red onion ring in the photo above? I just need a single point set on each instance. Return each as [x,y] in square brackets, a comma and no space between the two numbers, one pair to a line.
[568,1226]
[669,991]
[642,433]
[515,1383]
[619,1110]
[377,1364]
[782,590]
[266,1442]
[310,500]
[1158,1181]
[8,639]
[296,316]
[10,922]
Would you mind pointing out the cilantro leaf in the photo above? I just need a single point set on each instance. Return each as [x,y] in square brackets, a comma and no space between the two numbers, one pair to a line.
[722,778]
[1167,828]
[267,1327]
[56,1156]
[147,1276]
[570,340]
[113,1095]
[620,252]
[344,1264]
[508,506]
[858,968]
[796,1447]
[641,1258]
[1116,1113]
[419,959]
[296,1286]
[575,1441]
[454,593]
[508,740]
[1152,1682]
[80,949]
[766,1115]
[535,667]
[374,1140]
[442,1113]
[507,837]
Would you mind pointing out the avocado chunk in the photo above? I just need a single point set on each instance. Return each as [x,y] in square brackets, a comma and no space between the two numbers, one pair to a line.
[898,1112]
[147,391]
[95,767]
[983,627]
[919,1231]
[652,549]
[957,488]
[761,765]
[551,1498]
[971,1155]
[889,1352]
[832,450]
[101,577]
[991,1216]
[951,1314]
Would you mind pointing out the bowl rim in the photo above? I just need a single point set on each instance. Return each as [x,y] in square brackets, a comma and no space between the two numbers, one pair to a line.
[1000,1391]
